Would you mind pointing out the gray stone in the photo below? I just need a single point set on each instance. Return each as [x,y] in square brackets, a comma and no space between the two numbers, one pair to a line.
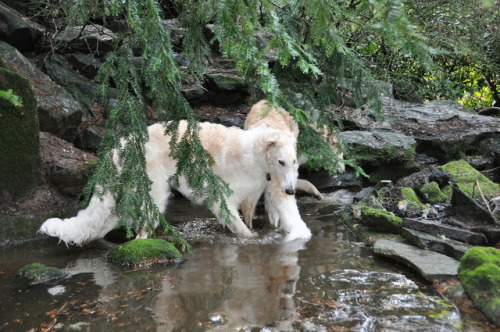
[466,206]
[58,111]
[85,64]
[89,38]
[431,265]
[443,128]
[450,232]
[18,31]
[446,247]
[81,90]
[378,148]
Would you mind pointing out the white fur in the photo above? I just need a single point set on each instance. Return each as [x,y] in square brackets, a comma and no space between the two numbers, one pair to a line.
[281,208]
[241,158]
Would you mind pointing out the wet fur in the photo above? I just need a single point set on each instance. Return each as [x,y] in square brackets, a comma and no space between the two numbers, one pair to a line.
[241,158]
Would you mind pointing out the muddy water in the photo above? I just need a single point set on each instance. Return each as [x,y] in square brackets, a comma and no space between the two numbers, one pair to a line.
[329,283]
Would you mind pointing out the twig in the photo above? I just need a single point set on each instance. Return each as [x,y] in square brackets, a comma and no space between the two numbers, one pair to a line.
[55,317]
[484,198]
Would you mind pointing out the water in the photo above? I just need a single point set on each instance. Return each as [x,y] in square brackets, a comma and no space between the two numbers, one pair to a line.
[329,283]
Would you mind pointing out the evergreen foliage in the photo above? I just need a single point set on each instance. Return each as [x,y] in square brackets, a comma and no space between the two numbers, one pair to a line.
[297,54]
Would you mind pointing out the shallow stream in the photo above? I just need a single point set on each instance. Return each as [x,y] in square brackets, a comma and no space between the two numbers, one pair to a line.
[329,283]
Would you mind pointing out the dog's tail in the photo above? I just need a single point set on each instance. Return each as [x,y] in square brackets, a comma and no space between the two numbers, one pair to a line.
[340,197]
[92,223]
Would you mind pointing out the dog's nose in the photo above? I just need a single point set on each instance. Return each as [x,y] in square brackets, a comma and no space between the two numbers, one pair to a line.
[290,191]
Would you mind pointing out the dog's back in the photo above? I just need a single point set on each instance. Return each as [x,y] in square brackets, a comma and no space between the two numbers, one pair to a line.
[265,115]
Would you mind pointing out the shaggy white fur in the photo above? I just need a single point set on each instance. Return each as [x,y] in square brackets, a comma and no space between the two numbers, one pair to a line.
[282,209]
[242,158]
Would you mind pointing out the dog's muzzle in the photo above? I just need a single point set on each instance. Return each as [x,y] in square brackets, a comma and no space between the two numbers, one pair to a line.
[290,191]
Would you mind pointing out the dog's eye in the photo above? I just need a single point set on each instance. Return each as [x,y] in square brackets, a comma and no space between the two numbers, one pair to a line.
[282,163]
[294,162]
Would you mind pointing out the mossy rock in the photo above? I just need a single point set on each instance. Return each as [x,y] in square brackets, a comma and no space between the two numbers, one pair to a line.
[433,194]
[19,138]
[37,273]
[381,220]
[469,180]
[145,252]
[411,197]
[479,272]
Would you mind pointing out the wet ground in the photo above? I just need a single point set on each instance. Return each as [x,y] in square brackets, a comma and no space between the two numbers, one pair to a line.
[329,283]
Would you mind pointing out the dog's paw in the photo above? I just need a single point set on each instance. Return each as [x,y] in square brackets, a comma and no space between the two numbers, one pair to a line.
[298,233]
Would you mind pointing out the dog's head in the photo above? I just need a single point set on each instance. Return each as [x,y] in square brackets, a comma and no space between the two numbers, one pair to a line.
[280,156]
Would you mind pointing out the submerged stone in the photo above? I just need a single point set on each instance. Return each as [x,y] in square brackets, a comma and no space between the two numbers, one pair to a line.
[479,272]
[429,264]
[37,273]
[145,252]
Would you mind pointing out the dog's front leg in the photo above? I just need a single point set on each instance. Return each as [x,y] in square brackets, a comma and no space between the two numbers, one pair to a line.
[236,225]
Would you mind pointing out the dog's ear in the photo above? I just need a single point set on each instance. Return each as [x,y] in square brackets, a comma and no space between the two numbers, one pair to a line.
[271,143]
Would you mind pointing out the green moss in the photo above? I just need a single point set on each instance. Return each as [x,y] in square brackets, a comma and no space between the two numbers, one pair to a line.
[469,180]
[409,195]
[479,272]
[144,252]
[38,273]
[381,220]
[19,137]
[433,193]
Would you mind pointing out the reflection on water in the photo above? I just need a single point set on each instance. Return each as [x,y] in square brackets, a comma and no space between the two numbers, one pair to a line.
[261,284]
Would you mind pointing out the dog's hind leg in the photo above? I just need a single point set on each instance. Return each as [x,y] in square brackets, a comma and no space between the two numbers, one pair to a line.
[309,188]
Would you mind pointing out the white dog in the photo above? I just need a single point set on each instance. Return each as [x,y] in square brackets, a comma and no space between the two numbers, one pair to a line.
[242,158]
[282,209]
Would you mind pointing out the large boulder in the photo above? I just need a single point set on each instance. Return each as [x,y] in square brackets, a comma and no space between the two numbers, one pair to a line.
[19,141]
[58,112]
[442,129]
[479,272]
[89,38]
[384,155]
[18,30]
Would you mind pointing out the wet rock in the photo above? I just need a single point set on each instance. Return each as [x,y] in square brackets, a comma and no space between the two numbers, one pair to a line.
[19,138]
[450,232]
[443,246]
[479,272]
[58,112]
[37,273]
[348,304]
[19,31]
[429,264]
[145,252]
[89,38]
